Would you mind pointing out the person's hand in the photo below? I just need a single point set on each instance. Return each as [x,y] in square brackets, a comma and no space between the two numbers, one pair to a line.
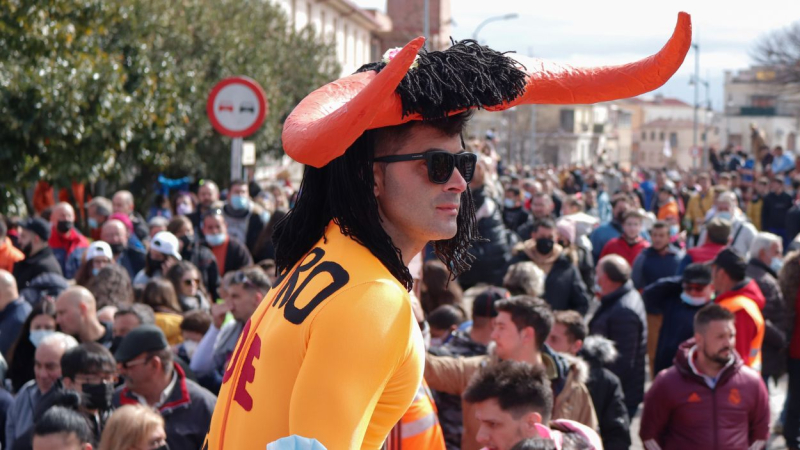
[169,261]
[218,312]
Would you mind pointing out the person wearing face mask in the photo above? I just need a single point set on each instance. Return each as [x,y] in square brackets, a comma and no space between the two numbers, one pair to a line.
[766,261]
[64,238]
[98,211]
[89,370]
[742,231]
[228,251]
[676,300]
[199,255]
[243,217]
[563,287]
[163,254]
[13,312]
[185,204]
[514,215]
[153,379]
[97,256]
[39,258]
[48,370]
[115,233]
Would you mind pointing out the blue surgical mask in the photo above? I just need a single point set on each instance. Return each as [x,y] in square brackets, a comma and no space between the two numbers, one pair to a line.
[725,215]
[95,271]
[508,203]
[674,230]
[36,336]
[776,264]
[215,240]
[93,223]
[693,301]
[239,202]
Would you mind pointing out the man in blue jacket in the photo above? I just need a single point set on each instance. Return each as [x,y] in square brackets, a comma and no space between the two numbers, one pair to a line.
[677,299]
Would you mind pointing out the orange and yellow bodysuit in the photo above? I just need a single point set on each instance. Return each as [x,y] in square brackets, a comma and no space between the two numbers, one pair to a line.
[332,353]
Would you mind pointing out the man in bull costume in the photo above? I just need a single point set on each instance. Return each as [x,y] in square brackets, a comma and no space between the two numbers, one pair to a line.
[333,352]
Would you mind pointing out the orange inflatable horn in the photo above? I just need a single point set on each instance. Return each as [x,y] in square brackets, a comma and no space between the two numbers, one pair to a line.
[330,119]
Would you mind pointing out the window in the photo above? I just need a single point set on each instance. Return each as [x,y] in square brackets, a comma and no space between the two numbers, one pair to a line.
[567,120]
[673,140]
[652,135]
[763,101]
[661,136]
[644,135]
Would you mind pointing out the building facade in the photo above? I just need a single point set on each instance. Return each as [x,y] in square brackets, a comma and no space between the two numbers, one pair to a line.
[354,31]
[754,99]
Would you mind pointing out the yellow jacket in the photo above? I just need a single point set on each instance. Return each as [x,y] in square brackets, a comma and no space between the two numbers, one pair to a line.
[332,353]
[754,212]
[698,206]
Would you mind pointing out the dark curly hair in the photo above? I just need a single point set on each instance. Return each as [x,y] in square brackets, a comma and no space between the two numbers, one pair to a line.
[342,191]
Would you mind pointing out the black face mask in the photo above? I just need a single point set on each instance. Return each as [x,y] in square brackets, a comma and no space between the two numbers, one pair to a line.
[188,241]
[117,249]
[26,250]
[544,246]
[63,226]
[153,264]
[164,447]
[98,396]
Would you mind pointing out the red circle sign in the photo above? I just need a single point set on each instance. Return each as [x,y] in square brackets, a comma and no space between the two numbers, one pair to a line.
[237,106]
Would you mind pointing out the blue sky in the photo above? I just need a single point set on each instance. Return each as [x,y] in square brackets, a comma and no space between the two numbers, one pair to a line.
[586,33]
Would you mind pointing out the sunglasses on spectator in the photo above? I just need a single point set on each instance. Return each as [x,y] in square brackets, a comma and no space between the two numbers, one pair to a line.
[441,164]
[191,281]
[135,362]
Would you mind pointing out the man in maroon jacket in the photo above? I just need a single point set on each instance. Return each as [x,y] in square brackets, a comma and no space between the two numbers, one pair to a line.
[709,399]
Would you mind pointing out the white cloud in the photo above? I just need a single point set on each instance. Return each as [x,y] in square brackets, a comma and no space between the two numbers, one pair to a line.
[590,32]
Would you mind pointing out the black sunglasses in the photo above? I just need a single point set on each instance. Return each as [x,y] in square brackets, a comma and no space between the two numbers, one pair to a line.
[440,164]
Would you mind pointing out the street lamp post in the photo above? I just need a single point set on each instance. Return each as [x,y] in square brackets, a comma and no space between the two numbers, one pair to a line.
[492,19]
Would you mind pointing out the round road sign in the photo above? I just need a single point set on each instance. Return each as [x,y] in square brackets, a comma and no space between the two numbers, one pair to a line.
[237,106]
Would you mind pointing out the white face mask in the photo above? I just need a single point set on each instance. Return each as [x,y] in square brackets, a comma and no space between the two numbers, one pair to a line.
[694,301]
[190,347]
[776,264]
[36,336]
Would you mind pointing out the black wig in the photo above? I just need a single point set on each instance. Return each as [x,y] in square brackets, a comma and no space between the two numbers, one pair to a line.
[342,191]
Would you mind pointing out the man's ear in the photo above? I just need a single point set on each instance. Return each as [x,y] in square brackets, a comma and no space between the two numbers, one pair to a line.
[378,173]
[577,346]
[529,423]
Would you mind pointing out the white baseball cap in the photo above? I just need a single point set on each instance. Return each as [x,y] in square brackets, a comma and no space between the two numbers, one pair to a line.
[166,243]
[99,248]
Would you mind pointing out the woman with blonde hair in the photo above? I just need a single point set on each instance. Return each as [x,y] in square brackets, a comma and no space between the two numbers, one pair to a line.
[134,427]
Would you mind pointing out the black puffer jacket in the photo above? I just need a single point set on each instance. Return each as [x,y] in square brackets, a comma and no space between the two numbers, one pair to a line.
[776,324]
[563,288]
[621,317]
[492,255]
[606,391]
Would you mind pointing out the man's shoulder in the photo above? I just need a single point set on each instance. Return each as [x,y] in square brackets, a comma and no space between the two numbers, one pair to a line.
[200,395]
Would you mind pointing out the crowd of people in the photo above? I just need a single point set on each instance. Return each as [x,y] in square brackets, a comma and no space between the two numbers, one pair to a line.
[588,282]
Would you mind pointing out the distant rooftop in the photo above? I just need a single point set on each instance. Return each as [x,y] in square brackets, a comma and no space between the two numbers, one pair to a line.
[668,124]
[657,100]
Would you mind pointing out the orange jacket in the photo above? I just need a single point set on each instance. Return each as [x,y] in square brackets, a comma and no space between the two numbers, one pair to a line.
[9,255]
[749,350]
[419,428]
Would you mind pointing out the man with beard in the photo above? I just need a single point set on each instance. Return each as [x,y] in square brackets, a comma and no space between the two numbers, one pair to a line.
[39,256]
[709,399]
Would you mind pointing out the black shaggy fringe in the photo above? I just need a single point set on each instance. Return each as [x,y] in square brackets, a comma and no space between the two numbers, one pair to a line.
[466,75]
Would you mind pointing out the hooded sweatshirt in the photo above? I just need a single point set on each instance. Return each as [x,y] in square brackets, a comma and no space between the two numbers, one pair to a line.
[746,327]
